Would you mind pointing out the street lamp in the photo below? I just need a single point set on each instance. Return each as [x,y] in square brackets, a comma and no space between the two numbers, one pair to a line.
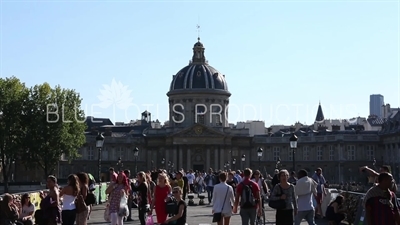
[162,162]
[234,163]
[169,166]
[259,154]
[120,164]
[293,146]
[243,160]
[99,146]
[136,154]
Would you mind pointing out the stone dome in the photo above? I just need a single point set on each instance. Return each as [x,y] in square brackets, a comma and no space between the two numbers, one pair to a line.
[198,75]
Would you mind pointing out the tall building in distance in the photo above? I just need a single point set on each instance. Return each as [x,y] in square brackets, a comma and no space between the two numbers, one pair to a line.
[375,105]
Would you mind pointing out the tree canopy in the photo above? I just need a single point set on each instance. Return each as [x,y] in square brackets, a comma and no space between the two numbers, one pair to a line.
[39,125]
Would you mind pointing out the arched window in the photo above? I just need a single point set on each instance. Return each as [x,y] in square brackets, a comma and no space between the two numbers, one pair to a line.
[200,114]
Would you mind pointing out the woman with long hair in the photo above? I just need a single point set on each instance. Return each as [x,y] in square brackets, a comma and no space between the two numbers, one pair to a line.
[141,187]
[26,211]
[151,186]
[333,212]
[285,190]
[116,192]
[83,179]
[69,194]
[8,210]
[179,217]
[161,192]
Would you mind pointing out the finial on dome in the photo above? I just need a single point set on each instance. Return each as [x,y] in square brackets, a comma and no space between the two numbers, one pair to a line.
[198,50]
[198,32]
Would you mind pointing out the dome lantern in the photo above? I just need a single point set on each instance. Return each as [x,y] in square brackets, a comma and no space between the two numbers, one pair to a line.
[198,53]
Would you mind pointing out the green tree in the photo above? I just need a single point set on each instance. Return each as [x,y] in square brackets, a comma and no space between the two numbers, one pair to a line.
[55,125]
[13,96]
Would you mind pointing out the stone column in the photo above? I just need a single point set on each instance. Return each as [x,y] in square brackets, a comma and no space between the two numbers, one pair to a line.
[174,157]
[216,166]
[180,164]
[188,159]
[229,157]
[222,157]
[166,156]
[208,158]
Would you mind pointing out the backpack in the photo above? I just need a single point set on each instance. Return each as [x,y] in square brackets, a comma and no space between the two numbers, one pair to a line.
[247,197]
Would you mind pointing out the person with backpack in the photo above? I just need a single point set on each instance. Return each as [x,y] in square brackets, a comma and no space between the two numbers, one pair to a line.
[248,194]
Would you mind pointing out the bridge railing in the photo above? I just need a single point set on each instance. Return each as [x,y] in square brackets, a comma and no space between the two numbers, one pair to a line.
[35,196]
[353,204]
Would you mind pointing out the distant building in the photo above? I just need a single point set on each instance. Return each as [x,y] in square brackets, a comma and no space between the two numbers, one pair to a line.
[198,136]
[376,102]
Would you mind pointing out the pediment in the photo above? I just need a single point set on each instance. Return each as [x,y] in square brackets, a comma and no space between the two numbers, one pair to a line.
[199,130]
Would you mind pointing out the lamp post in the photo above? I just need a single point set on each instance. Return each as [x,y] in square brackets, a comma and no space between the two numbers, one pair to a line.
[136,154]
[99,146]
[234,163]
[120,164]
[243,160]
[169,166]
[293,146]
[227,165]
[162,162]
[259,154]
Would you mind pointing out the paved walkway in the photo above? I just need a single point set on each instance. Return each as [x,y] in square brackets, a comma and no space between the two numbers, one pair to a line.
[197,215]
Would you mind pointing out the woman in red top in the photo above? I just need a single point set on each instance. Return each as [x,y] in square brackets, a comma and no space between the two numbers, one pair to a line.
[161,192]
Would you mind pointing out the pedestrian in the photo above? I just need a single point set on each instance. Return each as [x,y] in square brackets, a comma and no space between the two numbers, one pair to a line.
[222,201]
[248,194]
[305,189]
[284,190]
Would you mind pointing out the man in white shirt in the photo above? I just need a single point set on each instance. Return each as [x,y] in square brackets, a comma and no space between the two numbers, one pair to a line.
[305,189]
[199,182]
[190,176]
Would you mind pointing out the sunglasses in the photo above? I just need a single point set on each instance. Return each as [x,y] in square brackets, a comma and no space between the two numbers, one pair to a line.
[175,192]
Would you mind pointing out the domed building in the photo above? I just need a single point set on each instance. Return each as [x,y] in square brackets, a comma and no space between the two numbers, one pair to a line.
[198,135]
[198,94]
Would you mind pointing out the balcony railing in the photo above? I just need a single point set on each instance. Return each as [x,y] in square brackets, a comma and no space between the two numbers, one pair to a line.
[326,138]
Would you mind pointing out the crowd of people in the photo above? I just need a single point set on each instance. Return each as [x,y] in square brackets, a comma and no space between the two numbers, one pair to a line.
[228,192]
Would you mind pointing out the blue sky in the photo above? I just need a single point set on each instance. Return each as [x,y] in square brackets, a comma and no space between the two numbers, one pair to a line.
[280,58]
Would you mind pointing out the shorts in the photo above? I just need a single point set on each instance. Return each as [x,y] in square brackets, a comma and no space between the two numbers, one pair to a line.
[227,214]
[319,198]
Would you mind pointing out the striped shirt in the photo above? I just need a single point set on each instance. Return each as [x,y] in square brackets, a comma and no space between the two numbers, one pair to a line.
[383,205]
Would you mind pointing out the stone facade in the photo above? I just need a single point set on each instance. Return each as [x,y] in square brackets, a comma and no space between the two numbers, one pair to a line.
[196,138]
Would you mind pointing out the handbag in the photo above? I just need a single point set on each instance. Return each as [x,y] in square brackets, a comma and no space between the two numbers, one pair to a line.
[90,198]
[123,206]
[149,220]
[218,216]
[277,204]
[170,206]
